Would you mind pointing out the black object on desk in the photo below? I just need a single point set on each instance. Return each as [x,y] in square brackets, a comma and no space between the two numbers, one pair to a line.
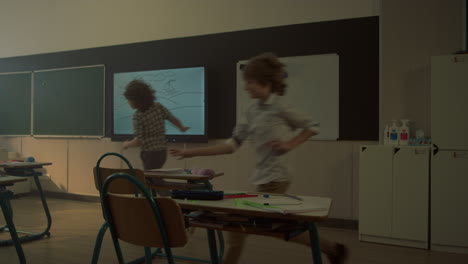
[198,195]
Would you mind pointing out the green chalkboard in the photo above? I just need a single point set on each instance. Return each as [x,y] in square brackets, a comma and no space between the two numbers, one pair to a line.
[69,102]
[15,103]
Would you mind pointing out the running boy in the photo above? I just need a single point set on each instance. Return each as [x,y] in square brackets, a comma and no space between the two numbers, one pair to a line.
[268,120]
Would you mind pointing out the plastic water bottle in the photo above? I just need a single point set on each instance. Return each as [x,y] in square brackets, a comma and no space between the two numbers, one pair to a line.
[393,139]
[404,132]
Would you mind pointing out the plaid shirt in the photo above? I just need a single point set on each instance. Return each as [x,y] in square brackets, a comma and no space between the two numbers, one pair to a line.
[149,127]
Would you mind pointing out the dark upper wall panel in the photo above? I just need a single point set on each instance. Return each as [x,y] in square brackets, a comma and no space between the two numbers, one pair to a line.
[355,40]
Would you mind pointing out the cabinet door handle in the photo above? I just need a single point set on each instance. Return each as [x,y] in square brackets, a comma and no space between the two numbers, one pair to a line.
[459,154]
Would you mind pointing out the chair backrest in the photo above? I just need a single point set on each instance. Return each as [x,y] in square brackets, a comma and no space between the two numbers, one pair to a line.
[143,221]
[118,186]
[122,187]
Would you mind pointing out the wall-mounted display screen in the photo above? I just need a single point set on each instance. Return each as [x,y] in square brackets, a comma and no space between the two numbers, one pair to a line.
[182,91]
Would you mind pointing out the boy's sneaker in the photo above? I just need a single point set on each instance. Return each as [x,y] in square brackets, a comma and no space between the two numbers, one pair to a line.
[339,255]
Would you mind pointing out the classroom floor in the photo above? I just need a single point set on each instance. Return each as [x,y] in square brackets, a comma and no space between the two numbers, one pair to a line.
[76,223]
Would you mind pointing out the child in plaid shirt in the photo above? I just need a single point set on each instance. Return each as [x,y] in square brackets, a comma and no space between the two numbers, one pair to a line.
[148,124]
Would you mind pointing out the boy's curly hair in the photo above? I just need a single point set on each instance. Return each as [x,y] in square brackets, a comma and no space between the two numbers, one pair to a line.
[141,94]
[266,68]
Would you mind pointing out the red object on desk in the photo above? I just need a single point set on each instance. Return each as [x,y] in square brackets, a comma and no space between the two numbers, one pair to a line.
[239,196]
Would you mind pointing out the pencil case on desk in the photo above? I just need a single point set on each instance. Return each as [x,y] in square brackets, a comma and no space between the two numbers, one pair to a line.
[197,195]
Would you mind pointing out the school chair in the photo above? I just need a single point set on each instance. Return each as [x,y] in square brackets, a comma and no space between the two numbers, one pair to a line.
[125,187]
[118,187]
[144,221]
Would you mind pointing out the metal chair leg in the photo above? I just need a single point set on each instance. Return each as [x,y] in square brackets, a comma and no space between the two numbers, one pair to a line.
[98,244]
[315,243]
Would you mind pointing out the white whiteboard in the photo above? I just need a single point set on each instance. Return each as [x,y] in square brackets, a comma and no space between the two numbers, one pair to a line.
[313,87]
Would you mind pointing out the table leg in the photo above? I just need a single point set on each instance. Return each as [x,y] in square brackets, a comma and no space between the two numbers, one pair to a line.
[44,205]
[9,222]
[314,243]
[33,235]
[212,245]
[221,245]
[8,205]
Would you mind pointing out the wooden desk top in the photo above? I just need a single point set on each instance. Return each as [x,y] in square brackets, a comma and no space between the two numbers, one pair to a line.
[7,180]
[168,176]
[20,164]
[229,206]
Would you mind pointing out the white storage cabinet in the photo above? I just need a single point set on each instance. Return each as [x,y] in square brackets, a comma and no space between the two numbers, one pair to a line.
[394,195]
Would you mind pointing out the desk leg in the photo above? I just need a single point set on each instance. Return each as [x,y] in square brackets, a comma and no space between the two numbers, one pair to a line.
[11,227]
[221,246]
[314,243]
[31,235]
[7,201]
[44,204]
[212,245]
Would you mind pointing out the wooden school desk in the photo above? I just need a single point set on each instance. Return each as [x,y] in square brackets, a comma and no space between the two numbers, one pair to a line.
[5,196]
[27,169]
[299,223]
[180,181]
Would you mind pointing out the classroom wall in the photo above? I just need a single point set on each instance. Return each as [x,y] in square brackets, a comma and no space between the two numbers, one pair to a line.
[321,168]
[43,26]
[412,32]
